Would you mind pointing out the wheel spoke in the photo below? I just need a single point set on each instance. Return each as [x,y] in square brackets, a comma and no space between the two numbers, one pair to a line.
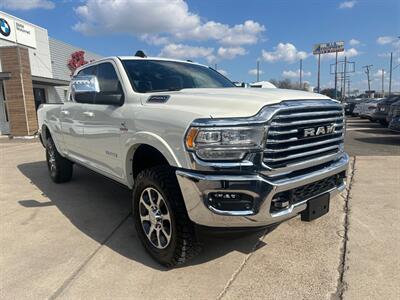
[151,229]
[145,218]
[158,238]
[166,235]
[148,208]
[167,217]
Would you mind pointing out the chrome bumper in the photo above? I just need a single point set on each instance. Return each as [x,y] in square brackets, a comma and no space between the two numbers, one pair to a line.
[196,186]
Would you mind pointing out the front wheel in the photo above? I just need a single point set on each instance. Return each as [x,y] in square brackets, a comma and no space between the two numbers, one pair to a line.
[60,168]
[160,217]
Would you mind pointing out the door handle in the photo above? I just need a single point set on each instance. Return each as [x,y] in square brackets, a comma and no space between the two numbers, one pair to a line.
[65,112]
[88,114]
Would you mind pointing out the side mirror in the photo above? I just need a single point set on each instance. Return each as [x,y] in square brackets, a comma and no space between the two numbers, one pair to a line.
[86,89]
[84,84]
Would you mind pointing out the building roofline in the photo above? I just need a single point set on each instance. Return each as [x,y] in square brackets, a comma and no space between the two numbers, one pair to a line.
[49,81]
[22,20]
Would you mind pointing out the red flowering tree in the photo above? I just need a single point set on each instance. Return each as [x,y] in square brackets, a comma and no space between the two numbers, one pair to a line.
[77,59]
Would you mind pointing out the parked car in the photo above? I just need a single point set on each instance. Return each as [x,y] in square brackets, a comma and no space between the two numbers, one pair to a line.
[394,124]
[262,85]
[350,104]
[196,150]
[394,110]
[367,109]
[382,109]
[358,107]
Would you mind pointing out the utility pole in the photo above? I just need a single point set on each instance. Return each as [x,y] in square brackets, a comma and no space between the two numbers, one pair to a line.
[336,75]
[367,69]
[390,73]
[319,71]
[258,70]
[301,73]
[383,84]
[344,75]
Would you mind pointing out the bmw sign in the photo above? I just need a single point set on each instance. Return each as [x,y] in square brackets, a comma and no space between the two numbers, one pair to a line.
[5,28]
[17,31]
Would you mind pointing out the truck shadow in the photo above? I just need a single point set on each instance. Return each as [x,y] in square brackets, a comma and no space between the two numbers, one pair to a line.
[101,209]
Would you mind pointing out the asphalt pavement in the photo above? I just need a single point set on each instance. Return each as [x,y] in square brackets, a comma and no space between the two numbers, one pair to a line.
[365,138]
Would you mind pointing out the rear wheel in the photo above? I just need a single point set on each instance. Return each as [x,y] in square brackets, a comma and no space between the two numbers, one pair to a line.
[160,216]
[60,168]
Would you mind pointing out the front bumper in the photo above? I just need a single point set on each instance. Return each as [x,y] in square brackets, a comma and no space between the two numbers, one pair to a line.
[196,187]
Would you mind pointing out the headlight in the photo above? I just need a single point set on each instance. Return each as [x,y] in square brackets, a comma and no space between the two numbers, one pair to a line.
[224,143]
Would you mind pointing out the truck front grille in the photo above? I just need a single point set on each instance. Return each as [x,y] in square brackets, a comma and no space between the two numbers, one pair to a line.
[303,135]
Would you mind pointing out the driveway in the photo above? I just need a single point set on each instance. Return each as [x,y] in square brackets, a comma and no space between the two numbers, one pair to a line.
[77,241]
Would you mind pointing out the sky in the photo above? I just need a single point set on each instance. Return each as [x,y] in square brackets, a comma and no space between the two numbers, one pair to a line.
[232,35]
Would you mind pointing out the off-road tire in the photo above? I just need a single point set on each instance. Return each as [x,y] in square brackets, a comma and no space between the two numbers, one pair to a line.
[183,244]
[60,168]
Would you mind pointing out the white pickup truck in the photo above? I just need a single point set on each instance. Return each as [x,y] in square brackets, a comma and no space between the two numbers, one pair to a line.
[195,149]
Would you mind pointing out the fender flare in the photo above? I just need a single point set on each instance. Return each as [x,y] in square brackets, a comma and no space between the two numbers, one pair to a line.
[150,139]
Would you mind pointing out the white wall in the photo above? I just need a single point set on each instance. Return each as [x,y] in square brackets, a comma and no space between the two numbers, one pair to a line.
[40,57]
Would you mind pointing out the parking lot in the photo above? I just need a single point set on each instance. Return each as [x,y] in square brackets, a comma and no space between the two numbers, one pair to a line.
[77,241]
[364,138]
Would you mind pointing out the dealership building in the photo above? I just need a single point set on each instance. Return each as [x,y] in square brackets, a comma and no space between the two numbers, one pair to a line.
[33,70]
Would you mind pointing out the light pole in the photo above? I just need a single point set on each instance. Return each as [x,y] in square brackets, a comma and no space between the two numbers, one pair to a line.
[390,73]
[301,73]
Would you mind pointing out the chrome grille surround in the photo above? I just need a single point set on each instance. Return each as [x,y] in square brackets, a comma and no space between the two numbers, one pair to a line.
[286,150]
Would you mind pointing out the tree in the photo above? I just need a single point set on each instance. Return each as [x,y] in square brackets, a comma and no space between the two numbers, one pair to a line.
[331,93]
[288,84]
[77,60]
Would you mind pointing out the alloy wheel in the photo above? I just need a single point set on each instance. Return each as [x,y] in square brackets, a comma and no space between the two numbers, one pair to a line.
[155,218]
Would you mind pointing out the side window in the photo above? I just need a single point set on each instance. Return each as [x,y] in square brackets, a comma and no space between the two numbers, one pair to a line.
[109,84]
[86,97]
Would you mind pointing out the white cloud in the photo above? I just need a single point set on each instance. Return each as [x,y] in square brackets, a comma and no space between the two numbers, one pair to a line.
[354,42]
[160,21]
[254,72]
[379,73]
[154,39]
[181,51]
[243,34]
[295,74]
[230,53]
[384,40]
[347,4]
[284,52]
[388,40]
[223,72]
[26,5]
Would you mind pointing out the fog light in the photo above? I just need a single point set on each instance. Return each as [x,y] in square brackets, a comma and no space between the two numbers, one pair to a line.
[280,201]
[230,201]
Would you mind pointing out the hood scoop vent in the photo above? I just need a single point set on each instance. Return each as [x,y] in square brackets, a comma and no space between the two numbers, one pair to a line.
[158,99]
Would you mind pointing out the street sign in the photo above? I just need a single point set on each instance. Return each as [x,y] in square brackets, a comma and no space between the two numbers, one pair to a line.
[328,47]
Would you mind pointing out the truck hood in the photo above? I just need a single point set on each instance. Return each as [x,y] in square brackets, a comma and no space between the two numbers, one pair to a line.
[229,102]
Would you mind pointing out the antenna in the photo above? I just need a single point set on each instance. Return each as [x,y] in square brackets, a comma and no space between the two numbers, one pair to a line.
[140,53]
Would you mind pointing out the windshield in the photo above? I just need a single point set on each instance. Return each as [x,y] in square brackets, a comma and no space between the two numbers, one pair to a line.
[156,75]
